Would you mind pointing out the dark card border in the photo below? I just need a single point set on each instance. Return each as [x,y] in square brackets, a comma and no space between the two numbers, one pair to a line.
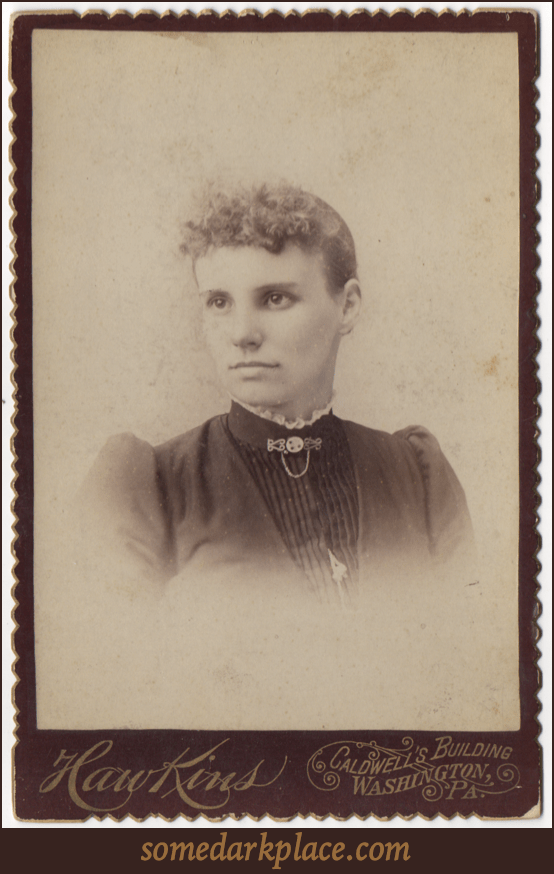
[291,792]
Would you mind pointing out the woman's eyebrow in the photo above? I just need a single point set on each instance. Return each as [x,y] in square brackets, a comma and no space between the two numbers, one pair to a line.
[278,286]
[260,289]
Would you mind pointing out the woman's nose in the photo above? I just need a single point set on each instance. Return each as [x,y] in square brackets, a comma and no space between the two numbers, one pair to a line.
[246,332]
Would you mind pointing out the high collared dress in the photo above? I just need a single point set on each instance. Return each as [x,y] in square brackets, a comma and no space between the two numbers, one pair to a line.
[322,509]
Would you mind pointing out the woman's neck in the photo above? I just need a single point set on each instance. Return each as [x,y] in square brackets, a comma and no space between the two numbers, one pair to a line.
[280,418]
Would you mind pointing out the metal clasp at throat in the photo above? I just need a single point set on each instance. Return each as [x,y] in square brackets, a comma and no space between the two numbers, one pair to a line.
[293,445]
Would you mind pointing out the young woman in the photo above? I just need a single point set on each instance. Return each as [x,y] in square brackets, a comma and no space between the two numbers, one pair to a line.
[278,488]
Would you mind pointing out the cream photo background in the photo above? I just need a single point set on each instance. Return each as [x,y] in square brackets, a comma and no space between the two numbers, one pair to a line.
[413,138]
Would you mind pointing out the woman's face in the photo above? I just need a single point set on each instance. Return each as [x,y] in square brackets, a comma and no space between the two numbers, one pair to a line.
[272,326]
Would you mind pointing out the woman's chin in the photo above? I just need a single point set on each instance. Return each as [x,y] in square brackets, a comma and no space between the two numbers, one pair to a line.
[261,401]
[259,398]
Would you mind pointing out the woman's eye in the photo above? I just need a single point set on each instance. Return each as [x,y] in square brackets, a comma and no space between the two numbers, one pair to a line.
[278,300]
[218,303]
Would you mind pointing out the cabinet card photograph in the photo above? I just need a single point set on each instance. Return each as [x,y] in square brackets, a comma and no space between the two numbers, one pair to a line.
[275,445]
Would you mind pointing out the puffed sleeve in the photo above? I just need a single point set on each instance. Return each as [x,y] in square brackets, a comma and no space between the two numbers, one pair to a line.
[447,516]
[121,512]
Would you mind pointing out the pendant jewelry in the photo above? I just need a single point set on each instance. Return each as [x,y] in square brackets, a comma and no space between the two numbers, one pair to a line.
[339,572]
[293,445]
[290,473]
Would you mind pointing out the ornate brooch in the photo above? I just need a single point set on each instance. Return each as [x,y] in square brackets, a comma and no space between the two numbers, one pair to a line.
[293,445]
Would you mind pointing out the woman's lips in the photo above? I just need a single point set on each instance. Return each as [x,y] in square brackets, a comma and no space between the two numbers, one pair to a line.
[251,364]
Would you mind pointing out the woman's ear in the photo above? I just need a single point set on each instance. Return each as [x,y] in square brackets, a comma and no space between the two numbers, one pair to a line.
[352,305]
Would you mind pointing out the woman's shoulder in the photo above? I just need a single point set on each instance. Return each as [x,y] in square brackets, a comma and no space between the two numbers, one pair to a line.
[406,457]
[128,449]
[411,463]
[123,457]
[129,464]
[189,450]
[414,442]
[189,440]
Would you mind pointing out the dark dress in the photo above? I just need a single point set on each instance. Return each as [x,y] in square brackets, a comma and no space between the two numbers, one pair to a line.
[325,513]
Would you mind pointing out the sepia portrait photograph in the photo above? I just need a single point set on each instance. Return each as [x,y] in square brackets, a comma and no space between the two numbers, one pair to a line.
[276,346]
[275,339]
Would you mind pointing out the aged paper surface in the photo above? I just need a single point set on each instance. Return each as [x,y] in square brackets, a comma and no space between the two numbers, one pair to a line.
[424,167]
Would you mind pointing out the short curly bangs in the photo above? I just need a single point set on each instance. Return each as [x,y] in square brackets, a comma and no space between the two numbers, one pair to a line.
[269,217]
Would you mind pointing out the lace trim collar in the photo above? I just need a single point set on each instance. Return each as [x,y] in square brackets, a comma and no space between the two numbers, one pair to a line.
[279,419]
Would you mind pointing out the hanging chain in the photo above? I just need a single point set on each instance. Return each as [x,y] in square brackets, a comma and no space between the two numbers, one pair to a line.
[296,475]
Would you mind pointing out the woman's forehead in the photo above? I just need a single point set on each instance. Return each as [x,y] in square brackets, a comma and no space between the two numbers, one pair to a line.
[247,267]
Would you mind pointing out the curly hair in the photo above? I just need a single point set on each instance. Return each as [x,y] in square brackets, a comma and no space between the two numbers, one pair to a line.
[269,217]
